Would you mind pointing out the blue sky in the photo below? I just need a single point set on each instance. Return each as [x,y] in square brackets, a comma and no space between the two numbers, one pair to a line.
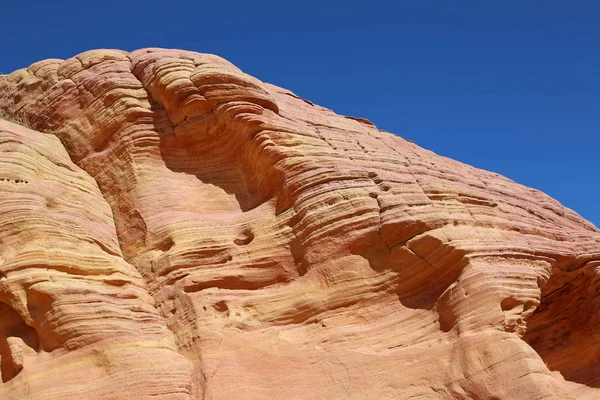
[511,86]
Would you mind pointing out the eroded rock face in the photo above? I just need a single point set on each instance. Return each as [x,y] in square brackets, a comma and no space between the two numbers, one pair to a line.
[185,231]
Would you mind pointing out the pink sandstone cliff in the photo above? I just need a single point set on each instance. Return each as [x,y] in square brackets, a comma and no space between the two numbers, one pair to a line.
[172,228]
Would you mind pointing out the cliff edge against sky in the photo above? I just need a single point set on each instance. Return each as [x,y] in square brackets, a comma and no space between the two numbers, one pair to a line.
[172,228]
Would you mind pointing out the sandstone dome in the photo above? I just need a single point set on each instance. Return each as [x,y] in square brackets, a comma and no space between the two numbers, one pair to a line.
[173,228]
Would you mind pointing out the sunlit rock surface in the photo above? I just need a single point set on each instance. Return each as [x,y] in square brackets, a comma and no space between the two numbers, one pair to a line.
[172,228]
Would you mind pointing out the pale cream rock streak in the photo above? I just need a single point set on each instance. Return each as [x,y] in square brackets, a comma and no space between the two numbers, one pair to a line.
[291,253]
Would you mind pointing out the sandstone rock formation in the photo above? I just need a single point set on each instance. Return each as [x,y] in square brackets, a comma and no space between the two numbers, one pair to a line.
[172,228]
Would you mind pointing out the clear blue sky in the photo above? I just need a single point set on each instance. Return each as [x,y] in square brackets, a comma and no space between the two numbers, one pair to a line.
[508,86]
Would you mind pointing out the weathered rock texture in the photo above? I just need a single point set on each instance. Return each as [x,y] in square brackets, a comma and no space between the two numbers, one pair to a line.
[185,231]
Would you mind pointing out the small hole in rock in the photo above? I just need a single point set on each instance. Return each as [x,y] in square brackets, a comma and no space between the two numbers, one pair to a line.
[509,303]
[245,237]
[221,306]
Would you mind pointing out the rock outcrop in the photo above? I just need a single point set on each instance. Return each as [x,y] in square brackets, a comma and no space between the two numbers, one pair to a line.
[172,228]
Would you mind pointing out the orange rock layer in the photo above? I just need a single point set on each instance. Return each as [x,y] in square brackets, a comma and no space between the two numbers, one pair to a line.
[172,228]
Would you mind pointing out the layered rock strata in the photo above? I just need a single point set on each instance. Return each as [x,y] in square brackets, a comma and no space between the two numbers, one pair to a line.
[172,228]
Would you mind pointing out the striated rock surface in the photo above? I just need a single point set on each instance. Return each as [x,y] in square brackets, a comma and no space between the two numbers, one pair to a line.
[184,231]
